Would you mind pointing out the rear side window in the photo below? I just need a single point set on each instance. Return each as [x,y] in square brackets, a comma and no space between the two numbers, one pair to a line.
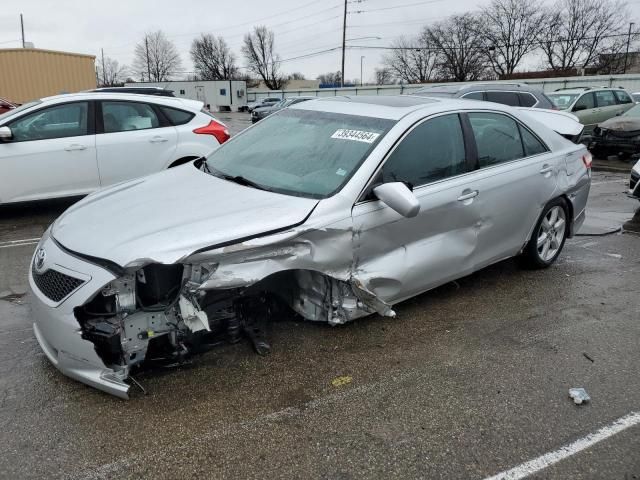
[126,116]
[527,100]
[474,96]
[622,97]
[505,98]
[432,151]
[532,146]
[584,102]
[605,98]
[177,117]
[497,138]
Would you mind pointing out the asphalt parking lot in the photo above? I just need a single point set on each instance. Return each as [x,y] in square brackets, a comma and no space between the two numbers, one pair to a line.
[470,380]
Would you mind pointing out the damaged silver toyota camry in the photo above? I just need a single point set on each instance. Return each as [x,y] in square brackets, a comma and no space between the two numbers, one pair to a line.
[333,209]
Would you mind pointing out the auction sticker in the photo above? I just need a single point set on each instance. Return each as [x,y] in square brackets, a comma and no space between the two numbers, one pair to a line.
[356,135]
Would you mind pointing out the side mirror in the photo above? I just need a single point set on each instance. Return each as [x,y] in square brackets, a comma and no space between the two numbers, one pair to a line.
[396,195]
[5,133]
[577,108]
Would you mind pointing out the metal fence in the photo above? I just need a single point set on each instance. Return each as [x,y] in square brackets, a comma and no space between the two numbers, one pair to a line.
[631,82]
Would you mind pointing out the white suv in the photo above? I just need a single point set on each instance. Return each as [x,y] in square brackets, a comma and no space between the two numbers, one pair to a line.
[71,145]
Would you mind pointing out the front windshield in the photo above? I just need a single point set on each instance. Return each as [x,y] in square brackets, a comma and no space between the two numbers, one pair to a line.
[299,152]
[12,112]
[633,112]
[562,100]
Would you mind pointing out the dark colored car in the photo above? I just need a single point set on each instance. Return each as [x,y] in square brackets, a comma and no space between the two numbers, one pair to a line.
[619,135]
[161,92]
[6,105]
[262,112]
[513,94]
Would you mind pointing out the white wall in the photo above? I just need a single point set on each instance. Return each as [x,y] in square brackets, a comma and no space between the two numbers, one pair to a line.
[631,82]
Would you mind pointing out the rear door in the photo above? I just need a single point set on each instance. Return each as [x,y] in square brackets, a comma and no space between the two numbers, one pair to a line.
[52,154]
[515,177]
[133,139]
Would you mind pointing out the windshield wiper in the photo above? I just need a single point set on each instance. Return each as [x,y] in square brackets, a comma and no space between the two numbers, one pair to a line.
[239,179]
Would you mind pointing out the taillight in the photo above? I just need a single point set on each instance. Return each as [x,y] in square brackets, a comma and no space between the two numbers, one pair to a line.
[216,129]
[587,159]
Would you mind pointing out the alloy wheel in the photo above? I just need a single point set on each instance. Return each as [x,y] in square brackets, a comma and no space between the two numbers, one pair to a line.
[551,233]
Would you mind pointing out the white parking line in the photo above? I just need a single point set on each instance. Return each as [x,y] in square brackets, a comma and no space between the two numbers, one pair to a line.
[19,243]
[548,459]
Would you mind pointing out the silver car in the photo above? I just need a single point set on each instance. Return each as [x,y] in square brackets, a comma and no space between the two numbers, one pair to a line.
[334,209]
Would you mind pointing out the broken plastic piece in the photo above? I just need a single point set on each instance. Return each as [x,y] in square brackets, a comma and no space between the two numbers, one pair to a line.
[579,395]
[195,320]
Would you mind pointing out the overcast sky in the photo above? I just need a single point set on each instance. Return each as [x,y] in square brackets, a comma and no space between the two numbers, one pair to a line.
[301,27]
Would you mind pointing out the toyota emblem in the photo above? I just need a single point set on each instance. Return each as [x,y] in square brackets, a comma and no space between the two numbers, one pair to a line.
[41,256]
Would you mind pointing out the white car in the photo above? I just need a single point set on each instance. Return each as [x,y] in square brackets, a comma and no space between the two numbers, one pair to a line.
[71,145]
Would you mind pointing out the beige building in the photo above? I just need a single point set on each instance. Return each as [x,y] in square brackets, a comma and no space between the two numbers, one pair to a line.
[30,73]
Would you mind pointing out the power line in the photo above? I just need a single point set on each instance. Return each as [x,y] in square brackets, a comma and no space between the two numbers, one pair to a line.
[397,6]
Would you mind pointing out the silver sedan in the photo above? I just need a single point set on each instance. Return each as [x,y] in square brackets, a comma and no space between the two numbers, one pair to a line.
[333,209]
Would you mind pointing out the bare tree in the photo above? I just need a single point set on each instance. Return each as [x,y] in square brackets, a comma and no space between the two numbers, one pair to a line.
[296,76]
[258,50]
[212,58]
[330,78]
[384,76]
[458,41]
[511,30]
[578,31]
[412,60]
[110,73]
[156,58]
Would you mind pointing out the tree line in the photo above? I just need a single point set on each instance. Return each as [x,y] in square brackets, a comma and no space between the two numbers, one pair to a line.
[489,43]
[492,42]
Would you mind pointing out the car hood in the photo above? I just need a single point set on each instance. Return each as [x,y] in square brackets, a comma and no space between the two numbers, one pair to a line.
[621,124]
[170,215]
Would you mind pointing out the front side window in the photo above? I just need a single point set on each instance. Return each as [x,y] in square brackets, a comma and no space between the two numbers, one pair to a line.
[59,121]
[127,116]
[562,100]
[497,138]
[605,98]
[585,102]
[622,97]
[505,98]
[432,151]
[298,152]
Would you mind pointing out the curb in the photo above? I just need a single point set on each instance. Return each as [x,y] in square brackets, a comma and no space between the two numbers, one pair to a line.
[610,168]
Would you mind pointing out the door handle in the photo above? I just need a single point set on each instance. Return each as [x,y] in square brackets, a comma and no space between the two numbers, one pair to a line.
[468,195]
[75,146]
[546,169]
[158,139]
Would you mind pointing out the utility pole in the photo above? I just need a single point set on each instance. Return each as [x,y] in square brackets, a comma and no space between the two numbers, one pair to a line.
[626,55]
[344,42]
[361,58]
[146,46]
[104,82]
[22,29]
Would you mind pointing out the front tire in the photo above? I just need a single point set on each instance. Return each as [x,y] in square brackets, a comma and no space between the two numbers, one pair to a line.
[548,236]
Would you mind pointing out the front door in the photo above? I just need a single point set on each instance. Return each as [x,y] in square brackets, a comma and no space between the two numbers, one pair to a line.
[52,154]
[587,112]
[133,141]
[398,257]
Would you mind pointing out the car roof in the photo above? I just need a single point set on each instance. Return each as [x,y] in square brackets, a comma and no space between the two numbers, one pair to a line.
[475,86]
[169,101]
[392,107]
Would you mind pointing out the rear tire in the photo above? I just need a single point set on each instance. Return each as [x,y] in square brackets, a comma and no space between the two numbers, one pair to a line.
[549,235]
